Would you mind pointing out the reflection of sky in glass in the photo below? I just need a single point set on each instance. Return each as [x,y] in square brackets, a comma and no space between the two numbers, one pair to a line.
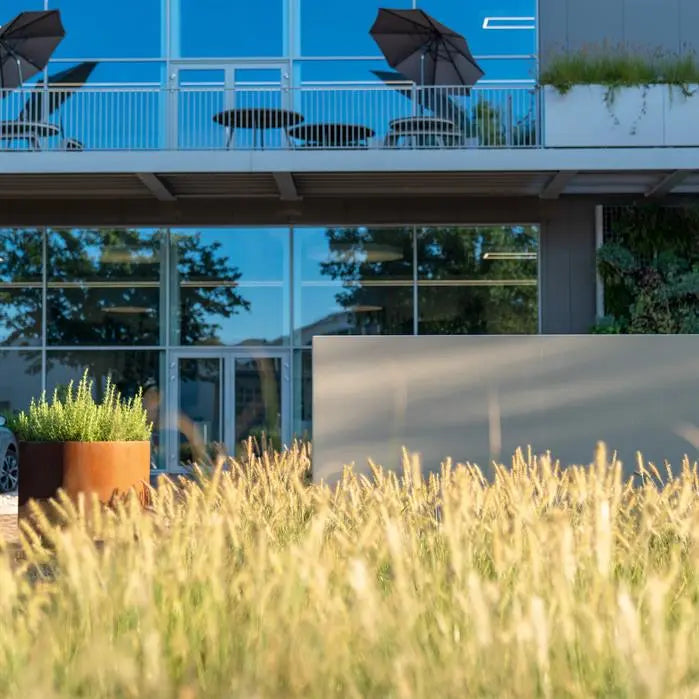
[221,28]
[20,379]
[316,291]
[261,256]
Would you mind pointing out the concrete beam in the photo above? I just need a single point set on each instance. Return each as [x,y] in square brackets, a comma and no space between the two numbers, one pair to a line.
[320,211]
[156,186]
[666,184]
[557,184]
[287,186]
[370,160]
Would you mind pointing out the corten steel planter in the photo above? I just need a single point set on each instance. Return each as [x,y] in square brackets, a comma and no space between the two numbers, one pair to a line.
[107,469]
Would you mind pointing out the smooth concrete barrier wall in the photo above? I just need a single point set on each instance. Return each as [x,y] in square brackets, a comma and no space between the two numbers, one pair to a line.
[478,398]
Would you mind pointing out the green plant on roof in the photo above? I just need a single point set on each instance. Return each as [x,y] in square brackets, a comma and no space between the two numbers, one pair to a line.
[620,68]
[73,415]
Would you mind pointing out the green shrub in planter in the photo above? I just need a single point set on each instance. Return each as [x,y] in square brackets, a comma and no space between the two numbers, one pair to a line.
[75,416]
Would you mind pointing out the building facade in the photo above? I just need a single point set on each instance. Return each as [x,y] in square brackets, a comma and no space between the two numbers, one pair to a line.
[145,237]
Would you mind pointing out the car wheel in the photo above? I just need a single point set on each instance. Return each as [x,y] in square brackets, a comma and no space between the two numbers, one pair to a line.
[9,471]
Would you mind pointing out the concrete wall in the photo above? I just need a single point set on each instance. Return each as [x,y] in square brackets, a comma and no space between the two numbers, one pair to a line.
[644,25]
[479,398]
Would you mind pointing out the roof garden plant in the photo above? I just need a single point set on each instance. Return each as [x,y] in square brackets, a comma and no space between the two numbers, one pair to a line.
[621,67]
[73,415]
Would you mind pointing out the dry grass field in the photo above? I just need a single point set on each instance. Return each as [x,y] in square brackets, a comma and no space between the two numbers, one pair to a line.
[535,582]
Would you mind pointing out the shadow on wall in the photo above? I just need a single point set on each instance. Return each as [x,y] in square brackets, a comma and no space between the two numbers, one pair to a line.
[479,398]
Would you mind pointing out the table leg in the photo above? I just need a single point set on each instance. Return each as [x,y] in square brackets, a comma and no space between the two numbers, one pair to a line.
[230,137]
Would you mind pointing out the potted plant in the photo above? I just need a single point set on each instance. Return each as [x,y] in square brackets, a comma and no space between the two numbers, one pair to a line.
[605,98]
[81,445]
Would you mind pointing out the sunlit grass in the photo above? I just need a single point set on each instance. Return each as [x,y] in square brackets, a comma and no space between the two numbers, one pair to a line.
[251,583]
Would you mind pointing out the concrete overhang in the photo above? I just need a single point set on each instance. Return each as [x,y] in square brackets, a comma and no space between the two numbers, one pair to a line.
[550,160]
[251,186]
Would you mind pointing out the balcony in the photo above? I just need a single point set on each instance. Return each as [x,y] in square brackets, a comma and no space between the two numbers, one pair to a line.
[340,117]
[192,150]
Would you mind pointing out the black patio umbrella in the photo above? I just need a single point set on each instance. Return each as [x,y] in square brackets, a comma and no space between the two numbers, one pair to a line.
[26,44]
[42,103]
[423,49]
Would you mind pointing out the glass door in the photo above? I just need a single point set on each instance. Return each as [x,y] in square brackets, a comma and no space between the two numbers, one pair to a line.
[219,400]
[208,98]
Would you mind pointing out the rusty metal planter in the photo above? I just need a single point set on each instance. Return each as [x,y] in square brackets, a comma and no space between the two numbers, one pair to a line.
[104,468]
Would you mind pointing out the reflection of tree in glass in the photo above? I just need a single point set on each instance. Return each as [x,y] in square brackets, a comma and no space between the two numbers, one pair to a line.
[499,296]
[461,286]
[20,306]
[367,260]
[197,266]
[104,289]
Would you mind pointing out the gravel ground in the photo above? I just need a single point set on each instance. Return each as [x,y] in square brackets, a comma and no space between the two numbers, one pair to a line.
[8,503]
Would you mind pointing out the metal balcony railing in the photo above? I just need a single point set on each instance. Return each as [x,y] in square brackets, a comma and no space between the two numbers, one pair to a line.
[252,117]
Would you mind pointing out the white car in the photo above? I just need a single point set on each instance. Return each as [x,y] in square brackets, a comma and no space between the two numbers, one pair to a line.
[9,462]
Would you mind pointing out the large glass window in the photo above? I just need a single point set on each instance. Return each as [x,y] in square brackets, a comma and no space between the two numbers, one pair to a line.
[20,287]
[230,286]
[353,281]
[221,28]
[104,287]
[303,394]
[20,379]
[479,280]
[128,28]
[338,29]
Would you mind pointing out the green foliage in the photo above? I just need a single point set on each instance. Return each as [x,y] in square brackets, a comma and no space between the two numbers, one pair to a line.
[619,68]
[75,416]
[650,272]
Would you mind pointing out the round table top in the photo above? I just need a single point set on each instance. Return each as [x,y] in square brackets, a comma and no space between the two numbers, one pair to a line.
[422,123]
[258,118]
[24,129]
[332,132]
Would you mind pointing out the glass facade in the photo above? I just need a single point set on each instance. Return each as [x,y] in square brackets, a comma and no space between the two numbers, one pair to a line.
[151,36]
[217,324]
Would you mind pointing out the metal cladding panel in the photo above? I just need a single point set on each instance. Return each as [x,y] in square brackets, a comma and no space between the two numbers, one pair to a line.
[479,398]
[73,186]
[645,26]
[221,184]
[421,183]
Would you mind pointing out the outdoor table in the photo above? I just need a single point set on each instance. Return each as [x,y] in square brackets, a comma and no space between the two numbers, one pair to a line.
[423,131]
[332,135]
[30,130]
[258,119]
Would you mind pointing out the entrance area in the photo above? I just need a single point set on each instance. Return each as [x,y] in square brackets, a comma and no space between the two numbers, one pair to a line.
[223,398]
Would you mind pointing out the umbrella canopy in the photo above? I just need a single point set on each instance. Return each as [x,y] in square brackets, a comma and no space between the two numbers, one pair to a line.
[423,49]
[42,103]
[26,44]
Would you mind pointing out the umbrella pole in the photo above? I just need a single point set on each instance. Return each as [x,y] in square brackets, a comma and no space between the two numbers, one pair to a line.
[422,83]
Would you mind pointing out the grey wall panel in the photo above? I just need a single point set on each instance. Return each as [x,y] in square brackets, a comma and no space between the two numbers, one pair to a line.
[553,26]
[595,18]
[477,398]
[650,25]
[581,239]
[669,26]
[689,25]
[568,269]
